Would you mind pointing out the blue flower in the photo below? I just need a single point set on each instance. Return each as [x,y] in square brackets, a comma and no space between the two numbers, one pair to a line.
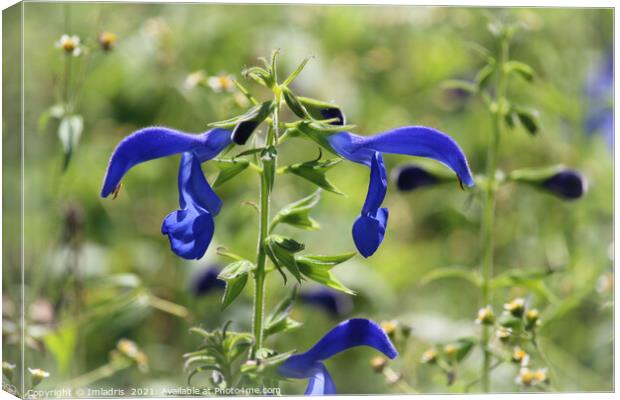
[333,302]
[567,184]
[206,281]
[369,228]
[189,229]
[347,334]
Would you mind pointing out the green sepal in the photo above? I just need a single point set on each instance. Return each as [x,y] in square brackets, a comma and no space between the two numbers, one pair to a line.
[460,84]
[294,104]
[463,347]
[229,169]
[281,250]
[483,76]
[529,119]
[268,158]
[297,213]
[508,320]
[258,112]
[236,276]
[315,171]
[260,75]
[520,68]
[318,268]
[534,176]
[314,106]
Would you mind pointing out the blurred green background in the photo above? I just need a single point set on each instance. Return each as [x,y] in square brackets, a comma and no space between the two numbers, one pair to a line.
[385,67]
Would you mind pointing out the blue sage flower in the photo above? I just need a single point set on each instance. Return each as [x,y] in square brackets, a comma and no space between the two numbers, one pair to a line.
[420,141]
[206,281]
[567,184]
[189,229]
[411,177]
[347,334]
[333,302]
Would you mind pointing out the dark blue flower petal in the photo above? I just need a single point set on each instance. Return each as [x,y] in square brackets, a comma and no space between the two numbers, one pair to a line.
[568,184]
[332,301]
[411,177]
[155,142]
[320,383]
[369,231]
[377,187]
[417,141]
[206,281]
[190,229]
[347,334]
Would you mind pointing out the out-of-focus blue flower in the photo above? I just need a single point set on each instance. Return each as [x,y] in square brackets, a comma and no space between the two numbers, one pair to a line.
[567,184]
[189,229]
[599,92]
[411,177]
[369,228]
[332,301]
[347,334]
[206,281]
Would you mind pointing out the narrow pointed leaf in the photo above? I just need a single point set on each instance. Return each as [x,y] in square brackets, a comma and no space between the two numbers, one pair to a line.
[297,213]
[229,169]
[314,171]
[320,272]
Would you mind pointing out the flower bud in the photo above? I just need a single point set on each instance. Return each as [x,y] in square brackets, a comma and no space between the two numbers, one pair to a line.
[429,356]
[515,307]
[485,316]
[37,375]
[567,184]
[322,110]
[221,83]
[503,334]
[411,177]
[107,40]
[7,369]
[250,121]
[531,318]
[378,364]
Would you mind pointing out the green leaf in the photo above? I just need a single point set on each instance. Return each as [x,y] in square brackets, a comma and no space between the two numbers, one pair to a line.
[297,213]
[281,250]
[520,68]
[293,103]
[268,159]
[483,76]
[61,344]
[69,132]
[529,278]
[236,277]
[452,272]
[278,320]
[509,321]
[463,347]
[229,169]
[318,268]
[460,84]
[315,171]
[529,119]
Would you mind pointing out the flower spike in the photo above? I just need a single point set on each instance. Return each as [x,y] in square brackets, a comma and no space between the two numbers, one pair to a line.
[351,333]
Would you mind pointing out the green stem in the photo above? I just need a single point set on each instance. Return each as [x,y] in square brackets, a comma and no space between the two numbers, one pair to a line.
[102,372]
[261,257]
[488,217]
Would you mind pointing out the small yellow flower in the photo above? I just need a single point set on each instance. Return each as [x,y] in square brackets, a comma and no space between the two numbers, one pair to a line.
[526,377]
[429,356]
[70,44]
[515,307]
[128,348]
[450,350]
[107,40]
[485,316]
[378,363]
[389,327]
[531,318]
[503,333]
[194,79]
[37,375]
[221,83]
[520,356]
[540,376]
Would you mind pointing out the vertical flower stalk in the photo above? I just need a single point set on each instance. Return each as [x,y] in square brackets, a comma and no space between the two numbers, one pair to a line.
[267,175]
[488,212]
